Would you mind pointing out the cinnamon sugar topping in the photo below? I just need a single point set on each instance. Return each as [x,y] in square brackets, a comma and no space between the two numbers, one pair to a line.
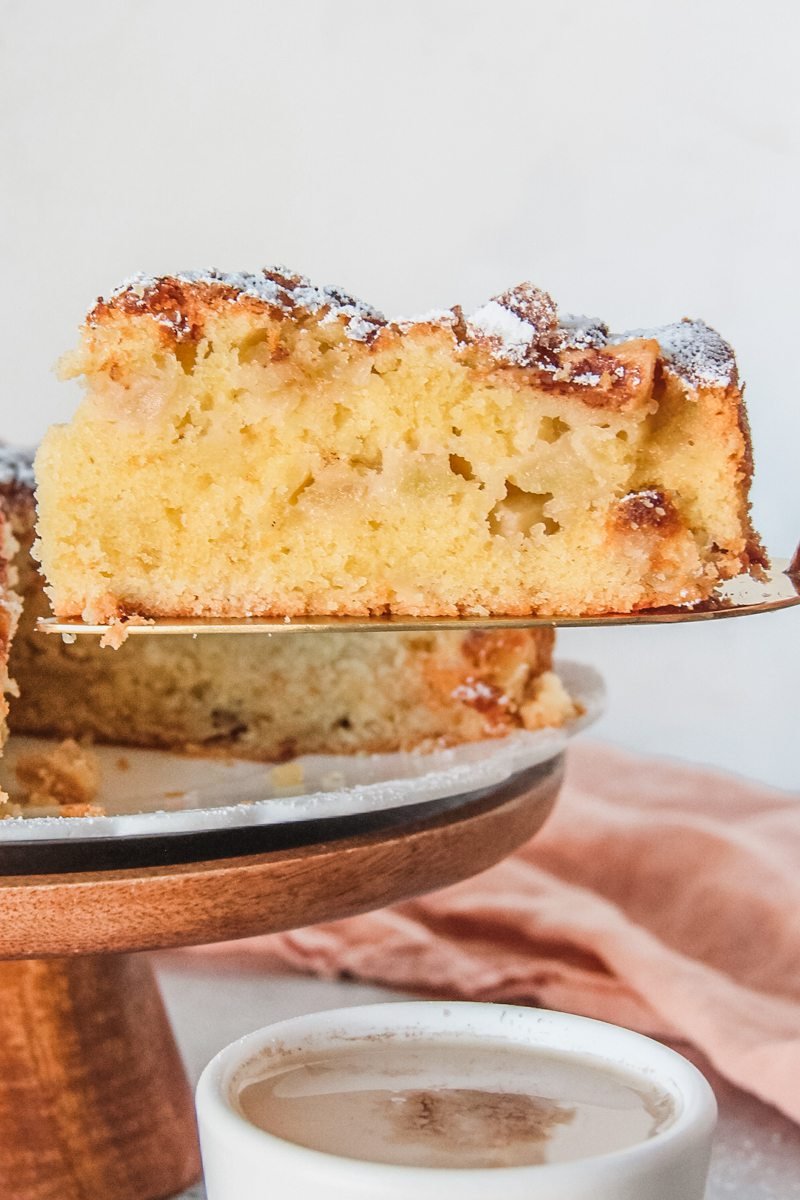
[697,353]
[520,327]
[582,333]
[275,287]
[693,350]
[506,335]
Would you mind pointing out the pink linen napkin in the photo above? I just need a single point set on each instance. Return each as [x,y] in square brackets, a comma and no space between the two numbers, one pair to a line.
[659,896]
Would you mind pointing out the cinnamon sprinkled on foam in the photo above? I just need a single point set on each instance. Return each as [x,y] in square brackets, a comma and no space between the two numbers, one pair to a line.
[521,327]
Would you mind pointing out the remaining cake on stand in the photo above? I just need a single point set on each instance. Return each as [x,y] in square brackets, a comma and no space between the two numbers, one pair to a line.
[253,444]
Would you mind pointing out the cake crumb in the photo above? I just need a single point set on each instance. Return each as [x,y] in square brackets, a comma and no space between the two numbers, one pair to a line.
[67,776]
[287,775]
[118,628]
[549,703]
[123,763]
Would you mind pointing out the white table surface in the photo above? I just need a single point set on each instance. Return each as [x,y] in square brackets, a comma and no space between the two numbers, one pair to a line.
[725,694]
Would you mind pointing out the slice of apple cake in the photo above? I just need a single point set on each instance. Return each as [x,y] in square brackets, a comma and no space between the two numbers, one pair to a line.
[253,444]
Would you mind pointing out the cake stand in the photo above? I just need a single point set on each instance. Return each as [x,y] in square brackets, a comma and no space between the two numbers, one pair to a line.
[94,1103]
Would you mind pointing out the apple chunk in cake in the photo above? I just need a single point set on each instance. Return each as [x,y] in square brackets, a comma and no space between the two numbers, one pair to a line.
[253,444]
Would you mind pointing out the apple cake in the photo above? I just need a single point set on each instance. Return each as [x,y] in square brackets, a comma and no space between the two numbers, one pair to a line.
[257,445]
[271,698]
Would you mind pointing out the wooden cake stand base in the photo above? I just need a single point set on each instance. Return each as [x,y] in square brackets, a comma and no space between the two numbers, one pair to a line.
[94,1103]
[93,1098]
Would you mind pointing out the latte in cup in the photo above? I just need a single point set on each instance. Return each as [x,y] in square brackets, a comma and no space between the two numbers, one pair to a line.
[432,1102]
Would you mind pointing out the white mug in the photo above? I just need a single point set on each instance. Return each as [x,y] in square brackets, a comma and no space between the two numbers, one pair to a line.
[243,1162]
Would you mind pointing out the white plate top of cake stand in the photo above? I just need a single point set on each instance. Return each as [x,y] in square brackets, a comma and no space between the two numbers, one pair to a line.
[159,793]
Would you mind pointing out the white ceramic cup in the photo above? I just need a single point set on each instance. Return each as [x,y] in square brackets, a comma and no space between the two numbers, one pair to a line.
[243,1162]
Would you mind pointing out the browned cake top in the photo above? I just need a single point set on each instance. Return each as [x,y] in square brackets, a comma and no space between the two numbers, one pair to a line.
[519,328]
[182,302]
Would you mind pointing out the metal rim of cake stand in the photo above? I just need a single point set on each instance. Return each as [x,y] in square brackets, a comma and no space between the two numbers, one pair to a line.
[42,857]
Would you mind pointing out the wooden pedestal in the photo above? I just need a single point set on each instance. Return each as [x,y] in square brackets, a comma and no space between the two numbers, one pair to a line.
[94,1104]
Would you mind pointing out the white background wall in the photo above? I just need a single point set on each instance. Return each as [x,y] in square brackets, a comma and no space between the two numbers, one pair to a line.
[638,158]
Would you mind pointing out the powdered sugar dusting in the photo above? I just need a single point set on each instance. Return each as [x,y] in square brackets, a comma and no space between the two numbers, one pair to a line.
[443,317]
[693,350]
[520,327]
[509,337]
[698,353]
[582,333]
[275,287]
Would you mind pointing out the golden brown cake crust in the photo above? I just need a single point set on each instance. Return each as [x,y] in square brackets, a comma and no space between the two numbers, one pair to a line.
[519,328]
[183,303]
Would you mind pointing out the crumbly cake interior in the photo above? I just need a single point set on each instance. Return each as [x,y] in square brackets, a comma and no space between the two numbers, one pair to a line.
[65,777]
[340,695]
[256,445]
[271,698]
